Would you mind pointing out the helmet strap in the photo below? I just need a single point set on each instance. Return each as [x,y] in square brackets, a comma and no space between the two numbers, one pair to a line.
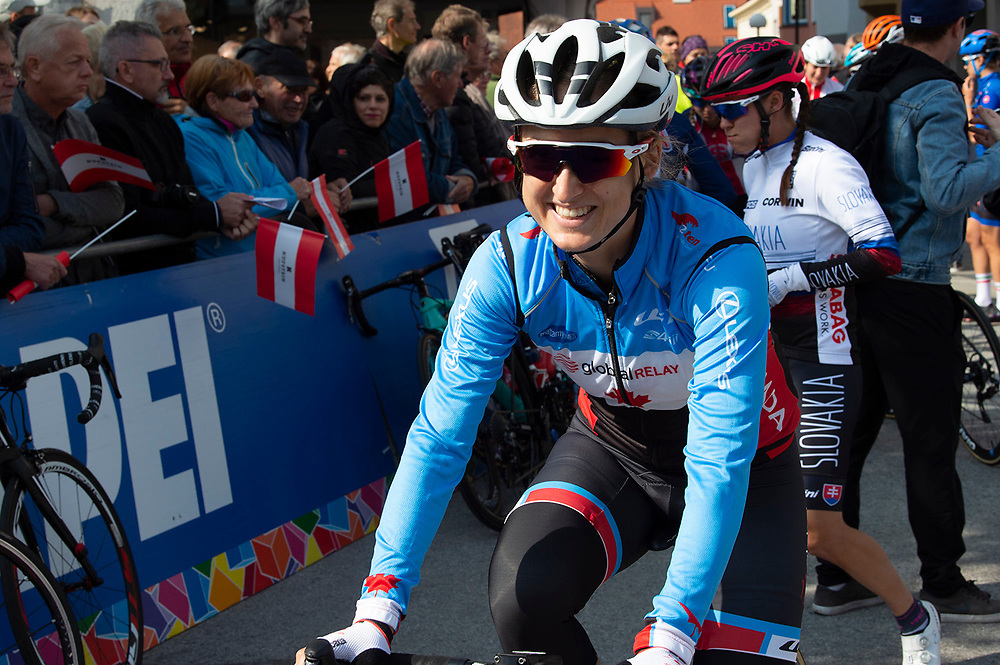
[638,194]
[765,125]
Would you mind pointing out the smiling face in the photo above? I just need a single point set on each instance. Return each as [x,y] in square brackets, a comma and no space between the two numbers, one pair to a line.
[286,105]
[372,105]
[575,215]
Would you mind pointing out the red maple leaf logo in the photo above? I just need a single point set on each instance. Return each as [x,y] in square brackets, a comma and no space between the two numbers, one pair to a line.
[380,582]
[684,219]
[532,234]
[633,399]
[692,619]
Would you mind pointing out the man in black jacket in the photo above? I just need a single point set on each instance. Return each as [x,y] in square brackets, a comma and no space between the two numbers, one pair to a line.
[479,134]
[128,120]
[396,27]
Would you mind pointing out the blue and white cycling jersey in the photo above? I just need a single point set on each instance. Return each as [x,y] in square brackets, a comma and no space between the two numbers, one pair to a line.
[678,329]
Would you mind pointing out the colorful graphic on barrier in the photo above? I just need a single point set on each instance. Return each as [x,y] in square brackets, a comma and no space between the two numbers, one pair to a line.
[176,604]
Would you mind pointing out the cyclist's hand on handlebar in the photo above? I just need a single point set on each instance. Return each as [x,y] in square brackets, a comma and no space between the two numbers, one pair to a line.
[367,640]
[659,643]
[782,282]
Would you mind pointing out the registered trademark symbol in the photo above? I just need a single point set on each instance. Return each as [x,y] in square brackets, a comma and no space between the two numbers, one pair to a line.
[216,317]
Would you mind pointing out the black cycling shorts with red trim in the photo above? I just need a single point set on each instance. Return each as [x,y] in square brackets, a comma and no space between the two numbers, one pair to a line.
[592,512]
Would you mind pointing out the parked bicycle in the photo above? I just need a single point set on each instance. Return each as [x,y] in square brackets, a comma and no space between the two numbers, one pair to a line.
[980,418]
[58,509]
[530,408]
[41,627]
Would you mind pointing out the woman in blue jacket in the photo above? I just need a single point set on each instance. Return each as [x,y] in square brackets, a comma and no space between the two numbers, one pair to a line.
[223,157]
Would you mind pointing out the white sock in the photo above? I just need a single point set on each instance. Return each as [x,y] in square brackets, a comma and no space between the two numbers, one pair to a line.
[983,295]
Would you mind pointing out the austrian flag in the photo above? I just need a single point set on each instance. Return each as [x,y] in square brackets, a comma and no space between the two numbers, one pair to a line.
[287,257]
[400,182]
[85,164]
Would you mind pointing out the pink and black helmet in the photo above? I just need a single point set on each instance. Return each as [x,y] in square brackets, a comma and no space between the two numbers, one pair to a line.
[750,67]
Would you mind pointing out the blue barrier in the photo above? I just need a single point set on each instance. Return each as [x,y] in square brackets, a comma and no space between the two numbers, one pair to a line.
[250,438]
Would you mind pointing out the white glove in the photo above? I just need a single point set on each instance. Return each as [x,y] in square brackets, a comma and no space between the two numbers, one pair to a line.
[661,644]
[782,282]
[364,634]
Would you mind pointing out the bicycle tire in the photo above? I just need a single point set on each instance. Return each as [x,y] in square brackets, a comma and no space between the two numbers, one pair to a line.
[109,615]
[42,627]
[427,349]
[979,424]
[498,473]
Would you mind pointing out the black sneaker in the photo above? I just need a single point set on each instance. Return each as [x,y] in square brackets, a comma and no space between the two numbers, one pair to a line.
[969,604]
[853,596]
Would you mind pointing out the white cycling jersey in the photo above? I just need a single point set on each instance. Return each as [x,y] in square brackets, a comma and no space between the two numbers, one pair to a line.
[831,212]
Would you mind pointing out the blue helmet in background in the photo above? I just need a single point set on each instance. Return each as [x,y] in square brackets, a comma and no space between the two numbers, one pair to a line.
[635,26]
[979,42]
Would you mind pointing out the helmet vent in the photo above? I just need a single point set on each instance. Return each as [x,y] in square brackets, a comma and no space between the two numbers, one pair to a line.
[609,33]
[641,95]
[527,85]
[564,65]
[653,60]
[600,80]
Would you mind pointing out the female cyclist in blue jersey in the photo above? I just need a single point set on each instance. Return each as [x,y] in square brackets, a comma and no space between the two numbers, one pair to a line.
[654,300]
[812,212]
[980,52]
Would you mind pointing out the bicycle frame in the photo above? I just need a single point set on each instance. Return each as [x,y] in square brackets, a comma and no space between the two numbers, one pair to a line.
[20,463]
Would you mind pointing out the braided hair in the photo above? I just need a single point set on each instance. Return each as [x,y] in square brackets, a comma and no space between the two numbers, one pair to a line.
[801,123]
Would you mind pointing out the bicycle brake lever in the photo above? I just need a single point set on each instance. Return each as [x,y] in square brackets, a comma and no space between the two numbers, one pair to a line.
[96,350]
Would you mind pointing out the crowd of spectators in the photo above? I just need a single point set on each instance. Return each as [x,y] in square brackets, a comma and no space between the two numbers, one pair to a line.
[257,120]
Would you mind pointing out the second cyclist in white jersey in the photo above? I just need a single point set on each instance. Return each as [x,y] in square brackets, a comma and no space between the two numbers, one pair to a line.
[812,212]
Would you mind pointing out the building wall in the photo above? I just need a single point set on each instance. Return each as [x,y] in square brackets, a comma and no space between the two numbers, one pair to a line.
[690,17]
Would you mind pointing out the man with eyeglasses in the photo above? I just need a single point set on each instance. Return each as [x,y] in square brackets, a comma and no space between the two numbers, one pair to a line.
[54,55]
[280,24]
[127,119]
[177,34]
[282,89]
[925,189]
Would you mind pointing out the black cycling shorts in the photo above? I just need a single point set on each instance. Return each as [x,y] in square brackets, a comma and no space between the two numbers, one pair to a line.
[597,517]
[829,398]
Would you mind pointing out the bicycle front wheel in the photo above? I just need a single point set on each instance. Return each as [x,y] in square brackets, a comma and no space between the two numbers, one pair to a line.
[108,609]
[980,418]
[41,629]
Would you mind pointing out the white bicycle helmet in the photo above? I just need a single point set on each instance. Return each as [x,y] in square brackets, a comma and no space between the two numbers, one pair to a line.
[642,93]
[819,51]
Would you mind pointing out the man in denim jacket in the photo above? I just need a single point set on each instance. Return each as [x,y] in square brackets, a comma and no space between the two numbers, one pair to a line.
[911,351]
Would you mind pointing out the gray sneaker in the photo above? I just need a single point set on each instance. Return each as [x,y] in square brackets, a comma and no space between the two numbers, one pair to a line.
[969,604]
[853,596]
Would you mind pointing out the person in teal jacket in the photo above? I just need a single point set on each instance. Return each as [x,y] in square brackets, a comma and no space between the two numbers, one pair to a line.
[222,156]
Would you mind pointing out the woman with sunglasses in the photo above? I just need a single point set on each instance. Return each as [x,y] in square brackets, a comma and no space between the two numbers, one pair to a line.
[812,212]
[653,299]
[222,156]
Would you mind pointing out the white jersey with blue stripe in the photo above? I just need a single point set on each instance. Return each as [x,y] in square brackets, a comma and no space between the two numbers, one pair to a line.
[831,211]
[685,324]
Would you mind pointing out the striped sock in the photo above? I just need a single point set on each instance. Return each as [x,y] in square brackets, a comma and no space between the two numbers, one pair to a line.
[913,620]
[983,296]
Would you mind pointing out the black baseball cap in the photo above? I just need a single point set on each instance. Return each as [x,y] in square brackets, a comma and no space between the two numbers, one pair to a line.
[932,13]
[284,65]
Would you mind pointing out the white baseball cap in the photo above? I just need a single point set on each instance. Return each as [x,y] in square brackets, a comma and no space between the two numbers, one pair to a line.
[15,6]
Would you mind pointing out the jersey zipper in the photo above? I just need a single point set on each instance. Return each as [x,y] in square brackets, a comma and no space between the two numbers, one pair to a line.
[246,172]
[608,309]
